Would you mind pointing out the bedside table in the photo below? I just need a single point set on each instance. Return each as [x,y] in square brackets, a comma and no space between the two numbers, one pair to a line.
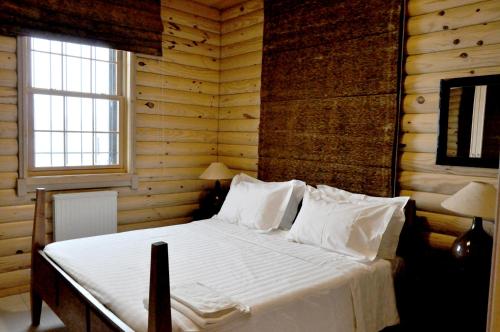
[440,295]
[210,204]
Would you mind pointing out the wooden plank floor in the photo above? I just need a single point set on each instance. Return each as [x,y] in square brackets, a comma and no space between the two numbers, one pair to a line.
[15,316]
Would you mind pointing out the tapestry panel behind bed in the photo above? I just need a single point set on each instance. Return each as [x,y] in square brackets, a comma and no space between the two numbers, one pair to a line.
[329,93]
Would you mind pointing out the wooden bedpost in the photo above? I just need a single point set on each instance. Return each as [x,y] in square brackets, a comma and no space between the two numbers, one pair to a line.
[159,290]
[37,243]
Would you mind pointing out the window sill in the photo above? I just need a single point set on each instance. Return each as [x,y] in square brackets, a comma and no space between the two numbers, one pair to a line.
[82,181]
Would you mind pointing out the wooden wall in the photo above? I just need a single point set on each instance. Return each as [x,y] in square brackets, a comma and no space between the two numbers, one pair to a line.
[176,136]
[240,64]
[451,38]
[205,90]
[16,214]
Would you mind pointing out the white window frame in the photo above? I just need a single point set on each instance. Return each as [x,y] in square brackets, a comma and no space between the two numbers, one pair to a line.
[79,177]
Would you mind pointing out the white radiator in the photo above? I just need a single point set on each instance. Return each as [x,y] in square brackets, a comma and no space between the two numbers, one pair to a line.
[84,214]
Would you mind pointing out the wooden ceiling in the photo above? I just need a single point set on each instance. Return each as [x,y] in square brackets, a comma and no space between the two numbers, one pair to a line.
[220,4]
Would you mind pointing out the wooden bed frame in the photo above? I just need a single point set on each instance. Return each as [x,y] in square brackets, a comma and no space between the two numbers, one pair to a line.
[75,306]
[80,311]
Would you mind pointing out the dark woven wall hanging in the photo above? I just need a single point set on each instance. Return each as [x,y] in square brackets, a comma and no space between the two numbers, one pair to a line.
[330,93]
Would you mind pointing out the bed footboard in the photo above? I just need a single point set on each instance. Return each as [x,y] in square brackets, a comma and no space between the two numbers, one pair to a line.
[159,290]
[75,306]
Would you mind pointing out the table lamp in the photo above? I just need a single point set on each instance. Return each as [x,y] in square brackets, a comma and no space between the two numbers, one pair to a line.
[216,171]
[477,200]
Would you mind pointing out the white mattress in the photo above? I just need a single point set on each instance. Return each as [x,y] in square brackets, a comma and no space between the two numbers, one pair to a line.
[288,286]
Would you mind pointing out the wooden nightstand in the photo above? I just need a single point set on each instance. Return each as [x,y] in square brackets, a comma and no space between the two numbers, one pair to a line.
[439,295]
[210,204]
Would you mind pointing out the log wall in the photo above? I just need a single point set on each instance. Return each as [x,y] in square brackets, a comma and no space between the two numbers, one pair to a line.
[201,99]
[240,64]
[445,39]
[176,118]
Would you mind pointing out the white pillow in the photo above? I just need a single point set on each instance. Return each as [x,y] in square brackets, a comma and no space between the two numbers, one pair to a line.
[390,239]
[293,204]
[350,228]
[256,205]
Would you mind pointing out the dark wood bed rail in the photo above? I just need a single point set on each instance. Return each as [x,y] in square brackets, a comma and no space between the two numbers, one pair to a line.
[37,243]
[74,305]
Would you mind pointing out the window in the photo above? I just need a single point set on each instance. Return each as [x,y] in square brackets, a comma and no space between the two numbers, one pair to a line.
[74,108]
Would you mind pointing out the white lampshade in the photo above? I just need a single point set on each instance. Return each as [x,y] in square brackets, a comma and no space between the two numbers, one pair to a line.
[477,199]
[217,171]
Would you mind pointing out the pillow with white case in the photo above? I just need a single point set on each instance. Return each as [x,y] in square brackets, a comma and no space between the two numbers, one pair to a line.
[349,228]
[390,239]
[258,206]
[293,204]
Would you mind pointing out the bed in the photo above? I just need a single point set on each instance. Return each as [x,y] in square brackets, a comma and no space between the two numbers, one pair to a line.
[288,286]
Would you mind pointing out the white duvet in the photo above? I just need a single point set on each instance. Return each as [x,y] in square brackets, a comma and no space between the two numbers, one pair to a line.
[288,286]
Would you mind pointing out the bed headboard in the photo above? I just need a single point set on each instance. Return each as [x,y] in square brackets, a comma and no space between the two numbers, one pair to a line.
[408,238]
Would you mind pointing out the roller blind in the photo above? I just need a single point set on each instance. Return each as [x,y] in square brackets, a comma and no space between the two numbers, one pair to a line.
[128,25]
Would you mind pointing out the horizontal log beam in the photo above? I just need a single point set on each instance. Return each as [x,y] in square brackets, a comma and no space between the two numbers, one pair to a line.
[420,7]
[426,162]
[477,13]
[470,36]
[175,135]
[243,21]
[168,174]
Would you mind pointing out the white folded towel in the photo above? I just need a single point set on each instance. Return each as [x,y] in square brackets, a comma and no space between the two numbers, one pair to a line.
[202,304]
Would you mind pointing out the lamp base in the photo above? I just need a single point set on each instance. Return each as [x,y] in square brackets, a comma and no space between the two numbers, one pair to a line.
[211,202]
[474,246]
[472,252]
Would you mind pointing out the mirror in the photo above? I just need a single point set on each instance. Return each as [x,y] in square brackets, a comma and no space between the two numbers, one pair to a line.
[469,122]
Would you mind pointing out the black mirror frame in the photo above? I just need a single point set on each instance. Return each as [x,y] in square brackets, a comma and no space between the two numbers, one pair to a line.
[442,144]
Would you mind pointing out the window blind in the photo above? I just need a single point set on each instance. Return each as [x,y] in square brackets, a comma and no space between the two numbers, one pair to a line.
[128,25]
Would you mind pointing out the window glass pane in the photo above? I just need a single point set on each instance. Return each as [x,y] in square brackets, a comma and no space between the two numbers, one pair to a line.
[41,112]
[40,44]
[102,77]
[42,160]
[107,144]
[40,70]
[87,142]
[106,113]
[87,114]
[86,79]
[102,159]
[114,149]
[102,142]
[73,114]
[102,115]
[57,107]
[56,46]
[42,142]
[87,159]
[56,72]
[73,74]
[73,142]
[57,142]
[102,53]
[57,159]
[72,49]
[74,159]
[86,51]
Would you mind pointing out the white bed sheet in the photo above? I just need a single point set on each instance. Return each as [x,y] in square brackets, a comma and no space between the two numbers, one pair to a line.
[289,286]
